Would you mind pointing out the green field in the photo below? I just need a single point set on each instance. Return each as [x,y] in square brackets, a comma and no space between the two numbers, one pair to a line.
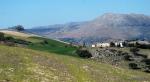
[52,46]
[26,65]
[54,62]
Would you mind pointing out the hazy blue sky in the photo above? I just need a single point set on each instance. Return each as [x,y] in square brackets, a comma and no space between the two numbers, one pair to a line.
[32,13]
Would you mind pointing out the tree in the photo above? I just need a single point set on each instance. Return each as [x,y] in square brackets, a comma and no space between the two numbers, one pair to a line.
[18,28]
[112,44]
[2,36]
[84,44]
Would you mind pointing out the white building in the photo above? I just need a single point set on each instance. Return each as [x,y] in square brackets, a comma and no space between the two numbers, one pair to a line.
[104,45]
[93,45]
[101,45]
[119,44]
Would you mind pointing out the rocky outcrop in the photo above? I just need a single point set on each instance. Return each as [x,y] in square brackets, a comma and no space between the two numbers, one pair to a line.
[114,56]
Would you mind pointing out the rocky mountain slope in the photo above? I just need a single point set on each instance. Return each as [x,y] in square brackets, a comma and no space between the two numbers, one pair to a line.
[109,26]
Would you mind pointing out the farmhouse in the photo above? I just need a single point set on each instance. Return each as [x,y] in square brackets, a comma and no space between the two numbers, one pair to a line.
[107,44]
[101,45]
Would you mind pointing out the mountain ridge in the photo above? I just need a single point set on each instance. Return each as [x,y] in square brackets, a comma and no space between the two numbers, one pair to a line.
[107,27]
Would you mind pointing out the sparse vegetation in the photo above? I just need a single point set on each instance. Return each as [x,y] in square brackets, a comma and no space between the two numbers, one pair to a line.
[134,50]
[131,58]
[144,46]
[55,61]
[20,64]
[128,57]
[133,66]
[11,41]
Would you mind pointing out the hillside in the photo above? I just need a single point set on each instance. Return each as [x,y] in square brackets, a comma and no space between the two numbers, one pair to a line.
[109,26]
[40,43]
[15,33]
[54,61]
[26,65]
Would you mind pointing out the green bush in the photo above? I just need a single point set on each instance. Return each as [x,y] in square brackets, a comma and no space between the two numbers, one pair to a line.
[84,53]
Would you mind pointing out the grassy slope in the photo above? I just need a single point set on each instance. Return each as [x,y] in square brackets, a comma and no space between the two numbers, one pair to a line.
[52,46]
[25,65]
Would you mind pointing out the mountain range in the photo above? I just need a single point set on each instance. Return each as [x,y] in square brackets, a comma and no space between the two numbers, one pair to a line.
[107,27]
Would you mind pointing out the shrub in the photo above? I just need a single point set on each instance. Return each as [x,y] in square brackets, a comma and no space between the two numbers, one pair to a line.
[142,55]
[134,50]
[133,66]
[19,41]
[144,46]
[128,58]
[147,69]
[131,45]
[9,38]
[84,53]
[146,61]
[45,42]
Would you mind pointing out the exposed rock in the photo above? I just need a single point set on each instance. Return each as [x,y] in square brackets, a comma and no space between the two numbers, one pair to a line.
[107,27]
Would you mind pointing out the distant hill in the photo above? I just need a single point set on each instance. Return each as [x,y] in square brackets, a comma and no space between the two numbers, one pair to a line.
[108,27]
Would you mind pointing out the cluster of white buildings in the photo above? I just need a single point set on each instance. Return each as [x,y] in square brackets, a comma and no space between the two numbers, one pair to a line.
[104,45]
